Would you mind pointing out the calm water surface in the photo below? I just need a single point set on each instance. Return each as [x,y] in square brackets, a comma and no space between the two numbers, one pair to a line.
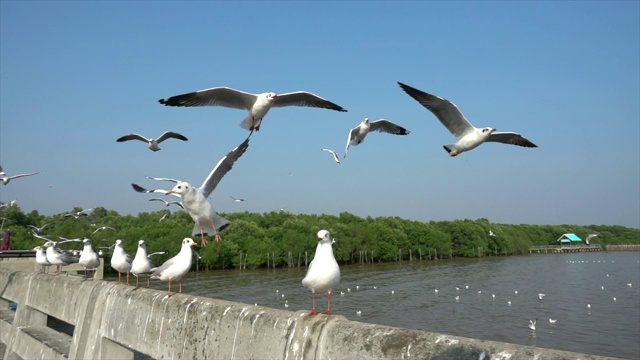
[569,281]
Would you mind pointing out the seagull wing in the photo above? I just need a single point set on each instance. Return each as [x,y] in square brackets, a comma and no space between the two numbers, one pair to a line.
[140,189]
[217,96]
[159,199]
[133,137]
[171,134]
[334,153]
[387,126]
[23,175]
[222,167]
[446,111]
[303,98]
[163,179]
[352,135]
[510,138]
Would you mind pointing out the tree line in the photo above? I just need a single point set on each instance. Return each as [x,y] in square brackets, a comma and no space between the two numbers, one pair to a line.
[281,239]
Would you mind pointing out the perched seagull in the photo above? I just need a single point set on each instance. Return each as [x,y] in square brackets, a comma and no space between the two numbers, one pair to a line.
[334,153]
[358,133]
[79,213]
[6,179]
[532,324]
[142,264]
[168,203]
[39,229]
[57,257]
[103,228]
[121,261]
[89,258]
[41,258]
[153,143]
[236,199]
[194,200]
[257,104]
[324,273]
[176,267]
[469,137]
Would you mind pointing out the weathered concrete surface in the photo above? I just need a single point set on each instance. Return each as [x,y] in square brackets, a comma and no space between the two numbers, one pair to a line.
[112,321]
[29,264]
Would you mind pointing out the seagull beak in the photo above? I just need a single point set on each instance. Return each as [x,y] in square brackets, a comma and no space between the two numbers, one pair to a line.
[196,244]
[275,96]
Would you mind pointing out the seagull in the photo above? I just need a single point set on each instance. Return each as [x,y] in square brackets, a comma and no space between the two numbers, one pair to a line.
[89,258]
[102,228]
[142,264]
[334,153]
[9,204]
[540,296]
[469,137]
[194,200]
[589,237]
[121,261]
[552,321]
[491,233]
[163,217]
[236,199]
[57,257]
[257,104]
[176,267]
[168,203]
[6,179]
[41,258]
[153,143]
[39,229]
[79,213]
[358,133]
[532,324]
[324,272]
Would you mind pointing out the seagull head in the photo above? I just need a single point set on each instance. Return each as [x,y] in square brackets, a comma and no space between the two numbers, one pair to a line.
[86,241]
[324,236]
[188,242]
[141,243]
[182,188]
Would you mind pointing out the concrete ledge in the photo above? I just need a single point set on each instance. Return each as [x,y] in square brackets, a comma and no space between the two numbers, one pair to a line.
[111,321]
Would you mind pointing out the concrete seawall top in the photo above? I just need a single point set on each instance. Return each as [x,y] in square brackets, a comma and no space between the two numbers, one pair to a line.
[68,318]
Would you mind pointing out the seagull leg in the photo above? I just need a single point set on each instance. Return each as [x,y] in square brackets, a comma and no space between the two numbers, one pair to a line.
[119,280]
[180,284]
[328,312]
[204,239]
[148,281]
[313,304]
[127,278]
[170,294]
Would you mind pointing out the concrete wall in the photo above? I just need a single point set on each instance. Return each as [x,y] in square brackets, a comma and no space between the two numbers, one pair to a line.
[68,318]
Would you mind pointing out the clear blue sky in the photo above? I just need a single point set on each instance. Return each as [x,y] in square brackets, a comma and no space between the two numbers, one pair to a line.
[75,76]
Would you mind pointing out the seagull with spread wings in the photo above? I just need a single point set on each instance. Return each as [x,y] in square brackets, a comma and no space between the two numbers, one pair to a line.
[257,104]
[358,133]
[469,136]
[6,179]
[153,143]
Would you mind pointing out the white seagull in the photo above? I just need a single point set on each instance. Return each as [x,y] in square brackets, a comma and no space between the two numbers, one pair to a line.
[358,133]
[142,264]
[324,273]
[153,143]
[236,199]
[552,321]
[57,257]
[469,137]
[6,179]
[89,259]
[532,324]
[39,229]
[257,104]
[121,261]
[102,228]
[79,213]
[194,200]
[168,203]
[9,204]
[176,267]
[334,153]
[41,258]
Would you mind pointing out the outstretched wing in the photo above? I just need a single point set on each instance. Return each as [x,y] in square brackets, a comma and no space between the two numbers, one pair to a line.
[304,98]
[387,126]
[171,134]
[510,138]
[217,96]
[222,167]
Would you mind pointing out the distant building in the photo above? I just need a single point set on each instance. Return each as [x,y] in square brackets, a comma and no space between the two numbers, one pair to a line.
[569,239]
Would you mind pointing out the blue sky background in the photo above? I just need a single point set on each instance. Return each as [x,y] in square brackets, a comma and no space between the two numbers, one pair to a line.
[75,76]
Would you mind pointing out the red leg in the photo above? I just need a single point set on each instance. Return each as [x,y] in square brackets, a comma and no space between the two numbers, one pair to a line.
[313,304]
[170,293]
[328,304]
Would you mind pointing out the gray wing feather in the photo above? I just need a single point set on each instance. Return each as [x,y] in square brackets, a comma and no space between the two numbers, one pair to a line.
[163,267]
[510,138]
[217,96]
[303,98]
[171,134]
[387,126]
[446,111]
[132,137]
[222,167]
[163,179]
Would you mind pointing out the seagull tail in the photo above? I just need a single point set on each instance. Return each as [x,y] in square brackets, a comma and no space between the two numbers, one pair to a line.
[247,123]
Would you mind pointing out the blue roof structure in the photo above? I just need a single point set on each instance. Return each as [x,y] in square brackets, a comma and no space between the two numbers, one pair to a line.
[569,238]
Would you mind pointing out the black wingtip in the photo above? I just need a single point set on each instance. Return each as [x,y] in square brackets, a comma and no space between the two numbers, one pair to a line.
[446,148]
[138,188]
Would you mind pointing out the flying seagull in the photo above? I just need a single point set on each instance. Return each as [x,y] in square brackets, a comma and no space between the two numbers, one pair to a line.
[6,179]
[236,199]
[79,213]
[469,136]
[334,153]
[153,143]
[39,229]
[257,104]
[358,133]
[194,200]
[168,203]
[102,228]
[324,273]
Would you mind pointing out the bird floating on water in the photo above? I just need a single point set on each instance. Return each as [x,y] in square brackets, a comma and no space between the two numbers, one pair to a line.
[532,324]
[258,105]
[469,137]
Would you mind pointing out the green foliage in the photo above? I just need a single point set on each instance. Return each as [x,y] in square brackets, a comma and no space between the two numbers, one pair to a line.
[280,238]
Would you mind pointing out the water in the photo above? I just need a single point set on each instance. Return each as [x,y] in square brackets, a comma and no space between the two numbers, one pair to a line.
[569,281]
